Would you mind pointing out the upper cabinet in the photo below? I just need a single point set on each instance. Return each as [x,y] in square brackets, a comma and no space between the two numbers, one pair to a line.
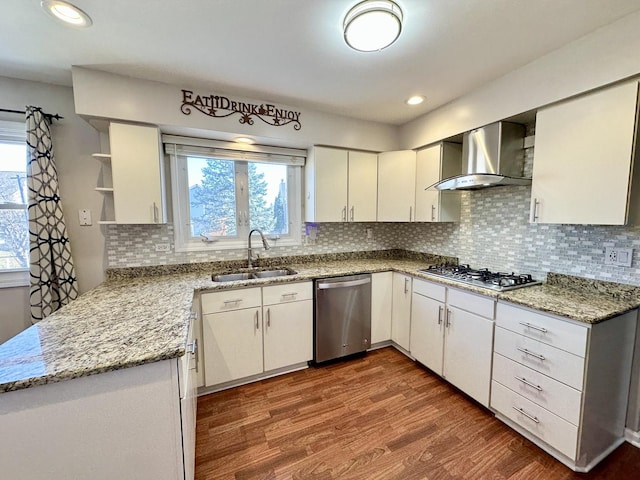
[433,164]
[133,176]
[396,186]
[341,186]
[584,159]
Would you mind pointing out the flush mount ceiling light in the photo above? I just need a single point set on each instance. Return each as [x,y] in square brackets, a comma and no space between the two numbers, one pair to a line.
[67,13]
[415,100]
[245,140]
[372,25]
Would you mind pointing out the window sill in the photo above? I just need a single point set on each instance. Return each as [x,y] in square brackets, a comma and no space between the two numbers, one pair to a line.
[256,243]
[14,278]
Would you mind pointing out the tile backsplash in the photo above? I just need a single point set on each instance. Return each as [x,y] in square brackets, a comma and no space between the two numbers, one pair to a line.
[493,232]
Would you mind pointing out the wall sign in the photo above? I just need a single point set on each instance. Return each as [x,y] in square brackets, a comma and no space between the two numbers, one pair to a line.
[220,107]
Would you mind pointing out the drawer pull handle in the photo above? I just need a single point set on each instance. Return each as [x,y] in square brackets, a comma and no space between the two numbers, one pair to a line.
[268,317]
[528,415]
[292,294]
[236,300]
[257,324]
[447,318]
[528,325]
[527,352]
[527,382]
[440,308]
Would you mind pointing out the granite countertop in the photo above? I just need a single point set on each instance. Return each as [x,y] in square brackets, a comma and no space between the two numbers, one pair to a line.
[142,315]
[580,299]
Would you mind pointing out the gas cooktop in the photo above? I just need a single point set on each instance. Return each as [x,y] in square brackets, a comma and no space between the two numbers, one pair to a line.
[482,277]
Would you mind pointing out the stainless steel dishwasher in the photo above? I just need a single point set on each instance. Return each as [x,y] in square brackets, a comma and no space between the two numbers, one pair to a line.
[342,321]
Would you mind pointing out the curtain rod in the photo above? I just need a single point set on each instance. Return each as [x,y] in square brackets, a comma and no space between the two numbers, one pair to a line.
[49,116]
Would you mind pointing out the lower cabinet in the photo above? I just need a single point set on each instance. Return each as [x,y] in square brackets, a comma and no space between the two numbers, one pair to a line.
[563,384]
[451,340]
[401,310]
[247,332]
[381,293]
[288,325]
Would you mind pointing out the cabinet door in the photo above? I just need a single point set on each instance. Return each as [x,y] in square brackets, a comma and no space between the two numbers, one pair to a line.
[288,334]
[396,186]
[427,173]
[233,345]
[582,158]
[328,184]
[363,186]
[401,310]
[427,331]
[381,294]
[138,174]
[468,348]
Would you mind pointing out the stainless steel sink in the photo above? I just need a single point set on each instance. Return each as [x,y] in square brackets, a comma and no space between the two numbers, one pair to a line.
[237,276]
[274,273]
[232,277]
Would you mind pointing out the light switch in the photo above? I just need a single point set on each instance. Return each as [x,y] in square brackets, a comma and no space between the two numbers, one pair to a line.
[84,215]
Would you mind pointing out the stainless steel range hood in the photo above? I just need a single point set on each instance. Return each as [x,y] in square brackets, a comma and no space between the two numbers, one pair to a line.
[492,156]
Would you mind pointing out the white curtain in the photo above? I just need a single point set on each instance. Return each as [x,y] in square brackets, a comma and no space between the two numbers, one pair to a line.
[53,278]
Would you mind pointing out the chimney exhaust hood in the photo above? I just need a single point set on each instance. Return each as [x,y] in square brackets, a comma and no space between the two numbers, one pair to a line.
[492,156]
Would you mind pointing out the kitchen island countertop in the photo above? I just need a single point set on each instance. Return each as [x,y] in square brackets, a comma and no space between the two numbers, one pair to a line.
[126,322]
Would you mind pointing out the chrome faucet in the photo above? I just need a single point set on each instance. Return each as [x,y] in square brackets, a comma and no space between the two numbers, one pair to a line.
[265,244]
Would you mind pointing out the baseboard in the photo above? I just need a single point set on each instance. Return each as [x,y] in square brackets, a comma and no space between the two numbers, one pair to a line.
[632,437]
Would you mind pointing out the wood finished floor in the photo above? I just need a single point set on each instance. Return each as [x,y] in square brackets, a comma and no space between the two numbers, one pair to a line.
[378,417]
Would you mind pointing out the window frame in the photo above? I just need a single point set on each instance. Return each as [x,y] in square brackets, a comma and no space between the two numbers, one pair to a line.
[15,133]
[184,242]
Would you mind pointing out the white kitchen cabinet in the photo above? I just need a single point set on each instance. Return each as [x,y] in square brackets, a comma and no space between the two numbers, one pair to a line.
[233,343]
[341,186]
[363,187]
[563,384]
[433,164]
[132,180]
[452,334]
[396,186]
[188,380]
[288,324]
[427,327]
[381,304]
[468,345]
[584,169]
[401,310]
[249,332]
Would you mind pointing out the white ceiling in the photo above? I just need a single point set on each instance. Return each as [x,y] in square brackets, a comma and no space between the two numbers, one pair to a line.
[292,51]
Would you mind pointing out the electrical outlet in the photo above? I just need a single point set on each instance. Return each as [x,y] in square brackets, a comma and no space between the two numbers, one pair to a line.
[620,257]
[163,247]
[84,217]
[369,233]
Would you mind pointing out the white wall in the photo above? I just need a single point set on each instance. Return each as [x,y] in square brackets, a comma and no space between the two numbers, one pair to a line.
[599,58]
[100,94]
[73,140]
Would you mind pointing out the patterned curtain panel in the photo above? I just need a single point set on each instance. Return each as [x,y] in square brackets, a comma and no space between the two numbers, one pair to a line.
[53,278]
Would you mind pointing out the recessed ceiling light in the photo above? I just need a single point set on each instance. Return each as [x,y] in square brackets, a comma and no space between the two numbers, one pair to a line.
[245,140]
[67,13]
[372,25]
[415,100]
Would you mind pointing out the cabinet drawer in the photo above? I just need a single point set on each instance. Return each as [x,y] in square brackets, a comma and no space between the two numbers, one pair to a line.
[429,289]
[556,397]
[226,300]
[287,292]
[552,429]
[483,306]
[552,331]
[563,366]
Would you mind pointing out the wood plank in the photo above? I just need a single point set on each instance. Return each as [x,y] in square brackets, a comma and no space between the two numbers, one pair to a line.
[381,416]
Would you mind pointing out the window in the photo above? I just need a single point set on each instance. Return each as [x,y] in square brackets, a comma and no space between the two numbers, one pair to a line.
[14,219]
[220,195]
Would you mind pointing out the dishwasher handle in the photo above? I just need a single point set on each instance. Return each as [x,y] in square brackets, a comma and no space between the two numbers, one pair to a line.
[347,284]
